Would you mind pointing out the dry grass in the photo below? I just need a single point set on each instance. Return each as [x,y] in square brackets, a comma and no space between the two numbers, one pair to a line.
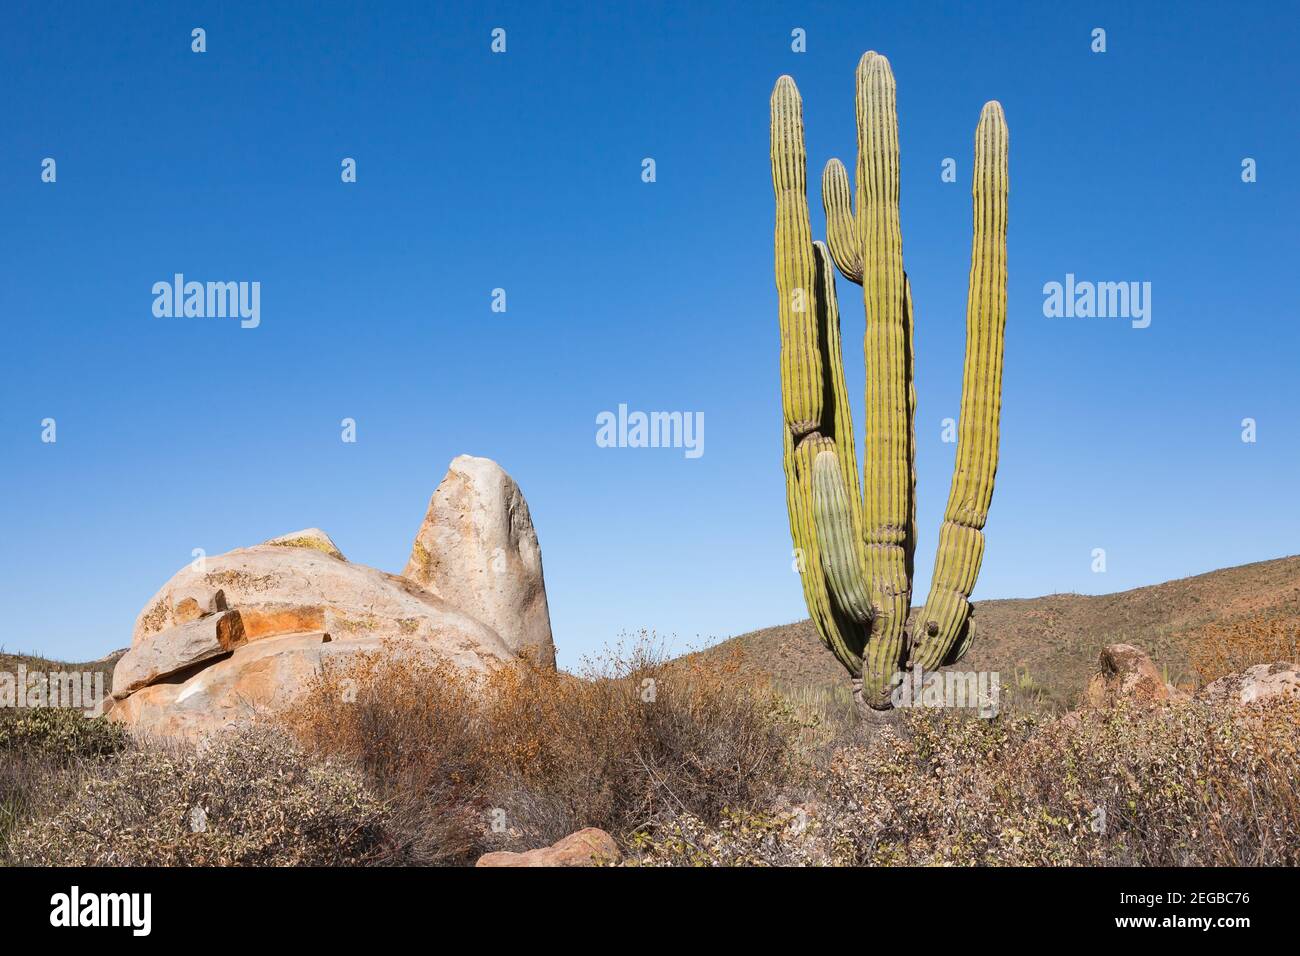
[526,755]
[1230,647]
[391,759]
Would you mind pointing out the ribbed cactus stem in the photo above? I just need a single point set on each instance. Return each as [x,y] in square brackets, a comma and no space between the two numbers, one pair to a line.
[841,224]
[961,539]
[841,546]
[796,271]
[887,490]
[838,418]
[815,416]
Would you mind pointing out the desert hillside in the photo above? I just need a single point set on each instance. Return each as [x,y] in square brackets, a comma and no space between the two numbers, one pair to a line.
[1050,644]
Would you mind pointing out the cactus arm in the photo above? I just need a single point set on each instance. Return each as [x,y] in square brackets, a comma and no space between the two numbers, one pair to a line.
[813,403]
[841,226]
[796,270]
[837,508]
[887,492]
[841,547]
[837,396]
[841,635]
[961,541]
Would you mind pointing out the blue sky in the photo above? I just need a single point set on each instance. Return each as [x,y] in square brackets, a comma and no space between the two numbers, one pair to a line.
[522,171]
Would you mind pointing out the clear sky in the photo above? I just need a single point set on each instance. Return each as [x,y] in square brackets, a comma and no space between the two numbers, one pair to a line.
[523,171]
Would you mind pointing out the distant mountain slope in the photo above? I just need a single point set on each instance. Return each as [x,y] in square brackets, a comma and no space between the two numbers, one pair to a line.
[1055,639]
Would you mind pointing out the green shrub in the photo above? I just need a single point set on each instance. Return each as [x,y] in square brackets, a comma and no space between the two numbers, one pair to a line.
[58,735]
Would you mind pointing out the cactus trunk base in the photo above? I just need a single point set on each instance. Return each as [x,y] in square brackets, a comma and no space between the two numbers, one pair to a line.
[866,711]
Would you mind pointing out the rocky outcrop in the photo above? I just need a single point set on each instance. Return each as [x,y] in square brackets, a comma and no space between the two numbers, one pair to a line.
[248,629]
[176,649]
[477,549]
[1261,682]
[589,847]
[280,590]
[1128,673]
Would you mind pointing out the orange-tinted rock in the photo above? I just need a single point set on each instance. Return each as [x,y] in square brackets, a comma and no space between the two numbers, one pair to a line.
[263,622]
[589,847]
[478,601]
[176,649]
[261,676]
[196,603]
[282,590]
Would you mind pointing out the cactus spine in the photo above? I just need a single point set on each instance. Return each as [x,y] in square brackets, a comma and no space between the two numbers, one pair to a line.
[857,541]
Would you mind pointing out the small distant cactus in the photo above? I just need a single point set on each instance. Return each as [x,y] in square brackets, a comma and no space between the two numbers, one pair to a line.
[858,552]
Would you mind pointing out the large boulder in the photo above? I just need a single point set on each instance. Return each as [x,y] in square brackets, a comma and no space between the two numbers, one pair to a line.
[248,629]
[1255,684]
[280,590]
[477,549]
[589,847]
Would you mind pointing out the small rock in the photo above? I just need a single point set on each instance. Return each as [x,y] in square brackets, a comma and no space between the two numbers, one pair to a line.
[196,602]
[588,847]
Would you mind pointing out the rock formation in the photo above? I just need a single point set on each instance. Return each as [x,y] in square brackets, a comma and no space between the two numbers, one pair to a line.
[478,551]
[247,629]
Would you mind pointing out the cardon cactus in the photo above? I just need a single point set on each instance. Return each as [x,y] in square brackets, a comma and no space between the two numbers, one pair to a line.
[857,549]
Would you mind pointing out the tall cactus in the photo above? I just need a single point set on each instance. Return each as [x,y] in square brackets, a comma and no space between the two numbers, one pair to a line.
[857,552]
